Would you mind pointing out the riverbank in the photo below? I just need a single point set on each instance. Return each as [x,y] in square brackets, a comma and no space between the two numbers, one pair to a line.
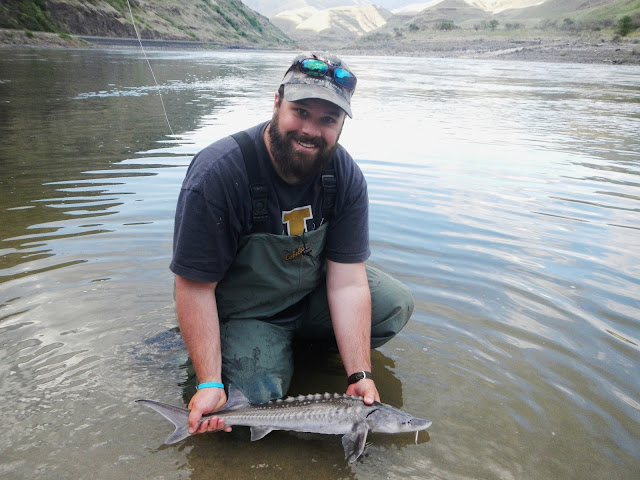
[535,47]
[543,48]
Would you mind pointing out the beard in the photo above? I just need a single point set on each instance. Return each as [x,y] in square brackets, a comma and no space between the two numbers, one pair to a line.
[292,163]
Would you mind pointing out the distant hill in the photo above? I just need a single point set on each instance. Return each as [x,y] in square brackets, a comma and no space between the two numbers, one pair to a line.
[339,23]
[468,14]
[226,22]
[454,11]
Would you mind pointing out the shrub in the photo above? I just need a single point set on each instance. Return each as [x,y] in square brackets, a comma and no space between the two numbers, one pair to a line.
[624,26]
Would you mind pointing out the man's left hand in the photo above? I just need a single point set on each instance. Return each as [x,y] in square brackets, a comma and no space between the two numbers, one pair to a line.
[365,388]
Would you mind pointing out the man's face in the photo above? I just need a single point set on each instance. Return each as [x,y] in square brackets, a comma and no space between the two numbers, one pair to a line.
[303,136]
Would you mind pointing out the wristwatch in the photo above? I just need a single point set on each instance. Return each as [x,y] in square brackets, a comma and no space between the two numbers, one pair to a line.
[356,377]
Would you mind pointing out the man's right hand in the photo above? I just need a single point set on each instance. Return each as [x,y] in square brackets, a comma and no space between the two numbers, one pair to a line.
[206,401]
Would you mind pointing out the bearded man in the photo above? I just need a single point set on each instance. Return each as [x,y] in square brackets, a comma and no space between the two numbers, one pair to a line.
[271,236]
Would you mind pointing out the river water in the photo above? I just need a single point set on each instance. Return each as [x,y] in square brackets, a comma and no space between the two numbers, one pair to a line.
[505,195]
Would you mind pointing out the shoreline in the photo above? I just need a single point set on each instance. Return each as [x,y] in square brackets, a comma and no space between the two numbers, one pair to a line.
[541,48]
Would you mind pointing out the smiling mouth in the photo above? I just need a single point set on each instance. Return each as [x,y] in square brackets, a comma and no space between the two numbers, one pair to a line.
[307,145]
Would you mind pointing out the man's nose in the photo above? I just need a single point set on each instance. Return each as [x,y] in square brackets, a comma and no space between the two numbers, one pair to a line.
[311,128]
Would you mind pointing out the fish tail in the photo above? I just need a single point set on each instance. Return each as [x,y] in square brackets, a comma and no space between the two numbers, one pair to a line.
[176,415]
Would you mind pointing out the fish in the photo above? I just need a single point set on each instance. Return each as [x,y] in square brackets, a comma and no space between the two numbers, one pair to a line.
[328,413]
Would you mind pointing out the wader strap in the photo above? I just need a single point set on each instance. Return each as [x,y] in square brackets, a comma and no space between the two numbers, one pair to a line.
[259,190]
[329,191]
[257,184]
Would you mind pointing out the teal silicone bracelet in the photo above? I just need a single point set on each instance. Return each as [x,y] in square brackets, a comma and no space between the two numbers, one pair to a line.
[210,385]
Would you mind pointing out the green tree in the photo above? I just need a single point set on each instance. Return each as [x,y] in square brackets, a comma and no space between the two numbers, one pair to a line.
[625,26]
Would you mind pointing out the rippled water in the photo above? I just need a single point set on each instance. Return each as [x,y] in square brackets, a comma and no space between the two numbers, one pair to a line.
[506,195]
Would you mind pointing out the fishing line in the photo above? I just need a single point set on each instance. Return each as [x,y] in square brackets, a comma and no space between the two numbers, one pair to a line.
[149,63]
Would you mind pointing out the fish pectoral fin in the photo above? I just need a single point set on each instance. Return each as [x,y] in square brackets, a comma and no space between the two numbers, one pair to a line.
[354,441]
[257,433]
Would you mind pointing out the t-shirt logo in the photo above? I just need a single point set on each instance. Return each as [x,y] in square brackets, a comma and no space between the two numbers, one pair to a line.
[295,221]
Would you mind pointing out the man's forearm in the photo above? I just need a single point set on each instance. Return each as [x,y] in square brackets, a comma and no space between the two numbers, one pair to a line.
[350,306]
[198,319]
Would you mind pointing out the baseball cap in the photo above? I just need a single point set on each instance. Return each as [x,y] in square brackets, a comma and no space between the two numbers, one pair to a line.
[300,86]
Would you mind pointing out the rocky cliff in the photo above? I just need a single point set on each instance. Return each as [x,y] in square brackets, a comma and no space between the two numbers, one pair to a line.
[226,22]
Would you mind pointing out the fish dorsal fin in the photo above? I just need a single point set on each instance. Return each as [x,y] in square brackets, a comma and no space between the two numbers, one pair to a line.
[354,441]
[257,433]
[236,399]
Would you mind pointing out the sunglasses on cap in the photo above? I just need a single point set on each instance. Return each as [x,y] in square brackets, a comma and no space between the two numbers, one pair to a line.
[315,67]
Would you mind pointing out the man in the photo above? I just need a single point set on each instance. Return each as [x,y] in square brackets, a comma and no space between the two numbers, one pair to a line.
[270,240]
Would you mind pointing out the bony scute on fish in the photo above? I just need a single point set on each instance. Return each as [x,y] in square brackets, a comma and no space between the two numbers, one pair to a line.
[334,414]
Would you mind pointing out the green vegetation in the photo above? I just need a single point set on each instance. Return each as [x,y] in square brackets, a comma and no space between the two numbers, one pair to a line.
[487,25]
[618,17]
[513,26]
[446,26]
[223,21]
[120,5]
[625,26]
[26,14]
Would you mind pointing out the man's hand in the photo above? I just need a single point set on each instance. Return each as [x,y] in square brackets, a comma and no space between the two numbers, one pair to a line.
[206,401]
[365,388]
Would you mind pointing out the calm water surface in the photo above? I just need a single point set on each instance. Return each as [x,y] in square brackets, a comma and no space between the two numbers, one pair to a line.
[506,195]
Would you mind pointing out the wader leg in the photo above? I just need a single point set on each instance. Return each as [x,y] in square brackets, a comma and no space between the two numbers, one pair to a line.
[257,357]
[391,307]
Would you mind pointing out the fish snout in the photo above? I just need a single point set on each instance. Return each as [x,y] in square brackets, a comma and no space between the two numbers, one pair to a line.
[417,424]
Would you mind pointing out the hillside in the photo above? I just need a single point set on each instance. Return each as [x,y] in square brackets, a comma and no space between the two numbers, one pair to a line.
[330,26]
[557,30]
[554,30]
[224,22]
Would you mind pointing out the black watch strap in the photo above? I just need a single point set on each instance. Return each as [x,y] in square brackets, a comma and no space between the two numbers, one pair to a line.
[356,377]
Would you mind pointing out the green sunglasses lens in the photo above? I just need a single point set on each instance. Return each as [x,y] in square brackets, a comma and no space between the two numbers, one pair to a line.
[344,77]
[318,68]
[315,68]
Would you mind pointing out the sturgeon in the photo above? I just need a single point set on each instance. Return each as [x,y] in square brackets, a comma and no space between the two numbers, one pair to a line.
[334,414]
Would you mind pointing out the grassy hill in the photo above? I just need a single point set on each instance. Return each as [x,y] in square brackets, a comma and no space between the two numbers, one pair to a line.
[227,22]
[557,30]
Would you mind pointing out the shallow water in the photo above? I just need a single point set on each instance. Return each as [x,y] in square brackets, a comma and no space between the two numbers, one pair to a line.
[506,195]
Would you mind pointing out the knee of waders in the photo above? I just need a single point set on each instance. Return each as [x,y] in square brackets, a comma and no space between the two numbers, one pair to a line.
[390,313]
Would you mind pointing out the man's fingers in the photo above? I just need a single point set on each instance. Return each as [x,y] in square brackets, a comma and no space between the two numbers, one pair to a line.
[194,418]
[211,424]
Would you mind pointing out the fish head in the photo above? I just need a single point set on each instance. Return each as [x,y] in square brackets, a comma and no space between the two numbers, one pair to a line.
[386,419]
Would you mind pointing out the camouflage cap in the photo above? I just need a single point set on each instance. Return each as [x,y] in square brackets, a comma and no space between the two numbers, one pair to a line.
[300,86]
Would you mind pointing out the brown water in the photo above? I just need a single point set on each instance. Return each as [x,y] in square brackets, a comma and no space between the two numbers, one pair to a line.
[506,195]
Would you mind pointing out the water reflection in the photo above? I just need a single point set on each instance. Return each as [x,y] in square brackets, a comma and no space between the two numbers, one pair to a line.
[504,194]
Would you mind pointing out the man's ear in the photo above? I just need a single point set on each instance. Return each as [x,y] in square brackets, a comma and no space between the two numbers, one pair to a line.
[276,101]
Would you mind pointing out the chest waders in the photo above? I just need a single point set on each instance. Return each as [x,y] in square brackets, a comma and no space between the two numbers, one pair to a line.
[273,272]
[268,274]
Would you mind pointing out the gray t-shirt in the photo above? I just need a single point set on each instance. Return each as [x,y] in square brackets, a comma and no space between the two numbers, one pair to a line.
[214,209]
